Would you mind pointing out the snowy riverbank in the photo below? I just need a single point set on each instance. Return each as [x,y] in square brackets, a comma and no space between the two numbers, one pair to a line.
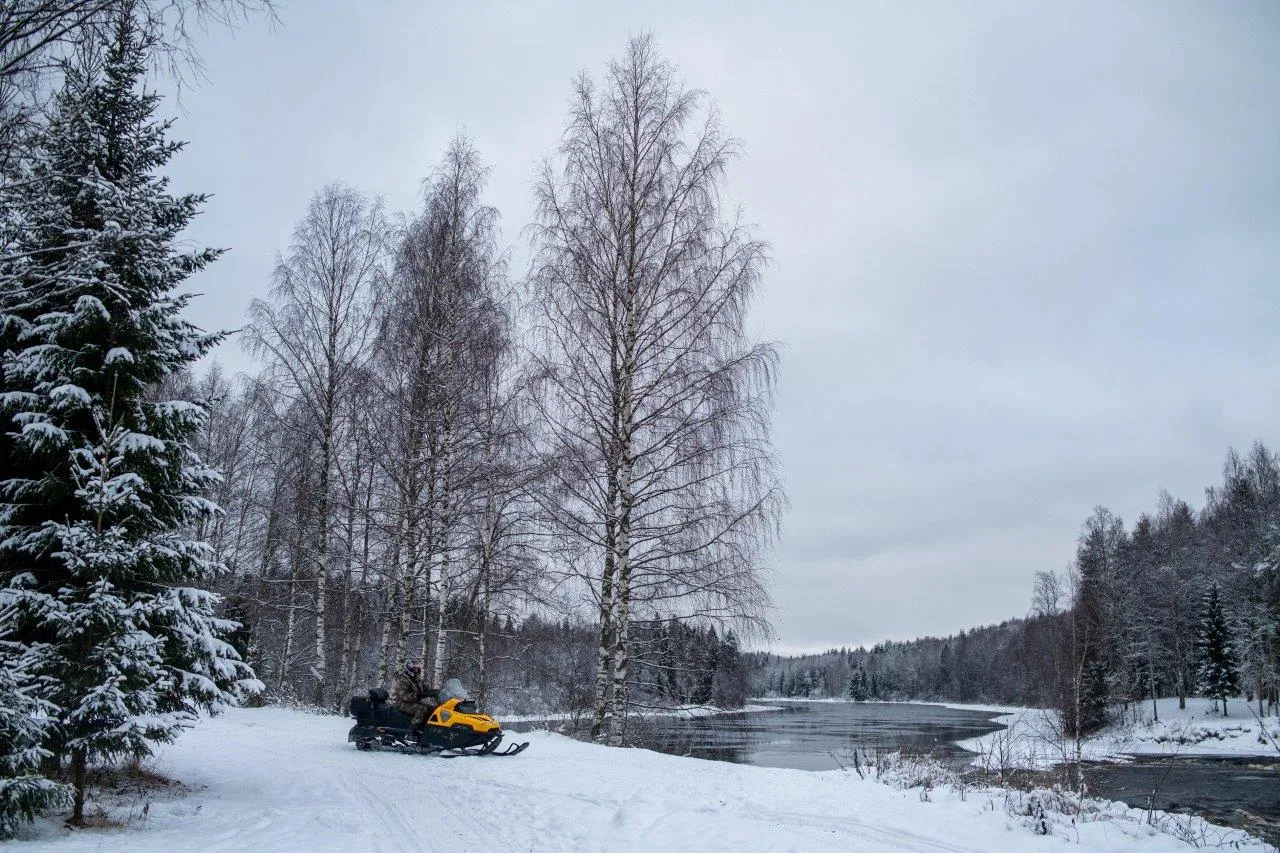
[1032,736]
[278,779]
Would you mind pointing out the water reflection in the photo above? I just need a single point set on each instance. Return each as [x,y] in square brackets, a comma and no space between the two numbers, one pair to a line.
[805,735]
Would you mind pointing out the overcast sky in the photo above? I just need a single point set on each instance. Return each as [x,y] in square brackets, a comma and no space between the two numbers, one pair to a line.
[1026,254]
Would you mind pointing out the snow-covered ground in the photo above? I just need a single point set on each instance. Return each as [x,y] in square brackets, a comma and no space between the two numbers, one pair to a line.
[279,779]
[1032,739]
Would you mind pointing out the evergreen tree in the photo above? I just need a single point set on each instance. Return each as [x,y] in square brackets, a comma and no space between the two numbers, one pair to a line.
[1088,695]
[100,574]
[944,670]
[730,689]
[858,690]
[24,724]
[706,663]
[1219,672]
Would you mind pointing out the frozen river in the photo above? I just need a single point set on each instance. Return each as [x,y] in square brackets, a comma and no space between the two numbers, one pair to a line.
[807,735]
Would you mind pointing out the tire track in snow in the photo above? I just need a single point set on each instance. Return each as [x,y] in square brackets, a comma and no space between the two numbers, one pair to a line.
[379,786]
[381,804]
[900,839]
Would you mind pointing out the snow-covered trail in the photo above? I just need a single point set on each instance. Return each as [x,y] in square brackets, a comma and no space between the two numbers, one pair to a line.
[276,779]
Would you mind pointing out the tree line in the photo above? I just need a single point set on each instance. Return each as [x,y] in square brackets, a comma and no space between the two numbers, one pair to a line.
[1183,603]
[1002,664]
[559,486]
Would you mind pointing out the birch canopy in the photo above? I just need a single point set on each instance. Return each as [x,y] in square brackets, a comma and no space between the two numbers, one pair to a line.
[654,399]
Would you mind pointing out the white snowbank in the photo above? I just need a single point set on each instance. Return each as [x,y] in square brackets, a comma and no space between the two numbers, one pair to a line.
[1032,738]
[278,779]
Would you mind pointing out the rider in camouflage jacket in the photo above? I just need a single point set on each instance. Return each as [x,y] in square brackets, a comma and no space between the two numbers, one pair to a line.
[412,695]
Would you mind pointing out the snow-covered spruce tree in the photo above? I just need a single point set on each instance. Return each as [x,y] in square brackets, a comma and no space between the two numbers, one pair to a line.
[24,722]
[100,574]
[1219,672]
[1086,694]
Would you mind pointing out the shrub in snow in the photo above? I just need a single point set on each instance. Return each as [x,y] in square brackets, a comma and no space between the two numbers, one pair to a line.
[101,614]
[915,771]
[1035,811]
[1189,735]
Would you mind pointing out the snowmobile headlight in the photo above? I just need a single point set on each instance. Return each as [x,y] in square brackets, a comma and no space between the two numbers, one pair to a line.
[445,715]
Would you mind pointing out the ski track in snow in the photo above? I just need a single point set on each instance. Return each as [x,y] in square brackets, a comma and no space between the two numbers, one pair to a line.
[277,779]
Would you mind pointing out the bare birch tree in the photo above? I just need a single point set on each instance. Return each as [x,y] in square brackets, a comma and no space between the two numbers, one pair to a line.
[441,332]
[314,336]
[36,34]
[655,402]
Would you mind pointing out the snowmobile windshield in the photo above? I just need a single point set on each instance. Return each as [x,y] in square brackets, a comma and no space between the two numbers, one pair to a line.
[452,689]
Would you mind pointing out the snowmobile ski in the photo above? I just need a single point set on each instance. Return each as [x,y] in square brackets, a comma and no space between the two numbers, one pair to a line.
[512,749]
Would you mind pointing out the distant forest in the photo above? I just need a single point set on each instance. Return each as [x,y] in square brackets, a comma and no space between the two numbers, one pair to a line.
[1181,603]
[996,663]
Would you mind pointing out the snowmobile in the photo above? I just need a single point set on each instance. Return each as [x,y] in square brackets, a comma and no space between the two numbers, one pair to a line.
[454,728]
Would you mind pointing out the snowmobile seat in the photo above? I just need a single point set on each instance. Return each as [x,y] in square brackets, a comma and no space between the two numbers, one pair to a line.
[373,709]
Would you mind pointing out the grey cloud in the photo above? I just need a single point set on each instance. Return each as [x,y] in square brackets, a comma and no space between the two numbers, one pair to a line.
[1025,253]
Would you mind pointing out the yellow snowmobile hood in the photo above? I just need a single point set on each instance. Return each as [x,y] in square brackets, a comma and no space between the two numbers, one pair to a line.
[448,715]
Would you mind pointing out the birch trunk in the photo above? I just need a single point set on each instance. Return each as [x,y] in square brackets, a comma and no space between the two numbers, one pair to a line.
[290,621]
[344,658]
[622,640]
[402,627]
[390,606]
[604,669]
[427,566]
[441,633]
[483,686]
[444,541]
[348,615]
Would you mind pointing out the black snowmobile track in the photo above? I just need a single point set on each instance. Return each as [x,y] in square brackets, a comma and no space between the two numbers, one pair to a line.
[488,748]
